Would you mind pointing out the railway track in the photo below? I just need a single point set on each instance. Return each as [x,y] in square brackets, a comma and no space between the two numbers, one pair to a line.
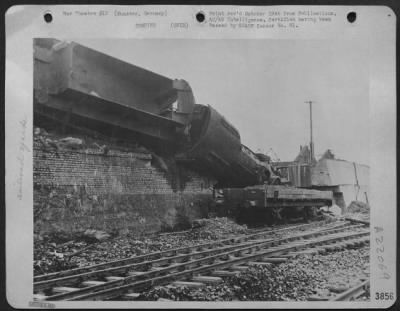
[259,233]
[195,265]
[353,293]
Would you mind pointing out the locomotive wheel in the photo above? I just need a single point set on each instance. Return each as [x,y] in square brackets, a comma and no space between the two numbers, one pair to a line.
[309,213]
[278,216]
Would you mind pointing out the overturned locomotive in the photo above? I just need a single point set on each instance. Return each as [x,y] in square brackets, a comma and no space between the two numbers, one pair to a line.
[78,86]
[75,86]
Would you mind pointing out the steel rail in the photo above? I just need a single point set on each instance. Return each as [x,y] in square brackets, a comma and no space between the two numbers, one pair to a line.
[209,266]
[71,279]
[353,292]
[210,259]
[174,251]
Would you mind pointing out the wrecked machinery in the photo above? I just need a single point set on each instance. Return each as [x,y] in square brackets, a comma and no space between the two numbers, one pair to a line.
[78,87]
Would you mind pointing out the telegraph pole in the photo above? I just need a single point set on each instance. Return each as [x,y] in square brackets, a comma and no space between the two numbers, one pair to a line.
[310,102]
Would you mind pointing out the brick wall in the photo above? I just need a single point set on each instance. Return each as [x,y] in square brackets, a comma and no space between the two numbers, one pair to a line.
[80,189]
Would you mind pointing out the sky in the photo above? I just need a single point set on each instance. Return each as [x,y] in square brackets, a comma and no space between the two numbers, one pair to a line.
[261,86]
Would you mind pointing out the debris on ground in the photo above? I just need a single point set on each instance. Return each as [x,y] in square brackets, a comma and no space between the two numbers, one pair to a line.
[359,211]
[105,246]
[334,210]
[215,228]
[358,207]
[92,235]
[298,279]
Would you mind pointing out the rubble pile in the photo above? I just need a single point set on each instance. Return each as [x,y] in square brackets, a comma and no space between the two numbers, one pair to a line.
[51,254]
[215,228]
[359,210]
[52,141]
[95,246]
[273,283]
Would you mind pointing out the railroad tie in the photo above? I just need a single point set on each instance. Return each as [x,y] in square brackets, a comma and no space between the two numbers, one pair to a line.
[289,255]
[350,244]
[114,278]
[338,289]
[238,268]
[131,296]
[257,240]
[207,279]
[276,248]
[257,263]
[317,298]
[61,290]
[92,283]
[329,248]
[188,284]
[307,252]
[135,273]
[321,250]
[335,246]
[39,297]
[164,299]
[224,273]
[170,254]
[274,260]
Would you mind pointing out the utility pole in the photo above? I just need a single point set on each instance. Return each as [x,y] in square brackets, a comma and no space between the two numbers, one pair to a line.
[311,132]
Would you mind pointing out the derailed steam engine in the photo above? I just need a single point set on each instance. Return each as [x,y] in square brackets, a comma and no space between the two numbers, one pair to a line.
[76,85]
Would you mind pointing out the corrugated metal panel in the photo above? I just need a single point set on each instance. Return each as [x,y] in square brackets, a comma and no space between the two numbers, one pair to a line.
[300,175]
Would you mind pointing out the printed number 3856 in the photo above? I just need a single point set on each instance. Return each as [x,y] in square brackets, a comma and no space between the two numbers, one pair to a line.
[384,296]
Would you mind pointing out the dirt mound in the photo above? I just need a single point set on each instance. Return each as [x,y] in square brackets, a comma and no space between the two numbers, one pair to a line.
[358,207]
[215,228]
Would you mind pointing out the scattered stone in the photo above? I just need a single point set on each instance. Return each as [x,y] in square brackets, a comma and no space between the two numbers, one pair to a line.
[122,244]
[294,280]
[96,235]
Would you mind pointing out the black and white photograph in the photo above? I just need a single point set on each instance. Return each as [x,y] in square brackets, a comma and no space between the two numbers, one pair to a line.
[203,169]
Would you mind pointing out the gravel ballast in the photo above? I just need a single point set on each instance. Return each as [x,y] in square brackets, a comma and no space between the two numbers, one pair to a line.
[295,280]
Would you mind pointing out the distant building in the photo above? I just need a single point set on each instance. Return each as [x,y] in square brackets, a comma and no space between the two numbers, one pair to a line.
[349,181]
[304,156]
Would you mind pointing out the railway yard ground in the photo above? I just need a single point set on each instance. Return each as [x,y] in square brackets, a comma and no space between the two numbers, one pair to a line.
[216,260]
